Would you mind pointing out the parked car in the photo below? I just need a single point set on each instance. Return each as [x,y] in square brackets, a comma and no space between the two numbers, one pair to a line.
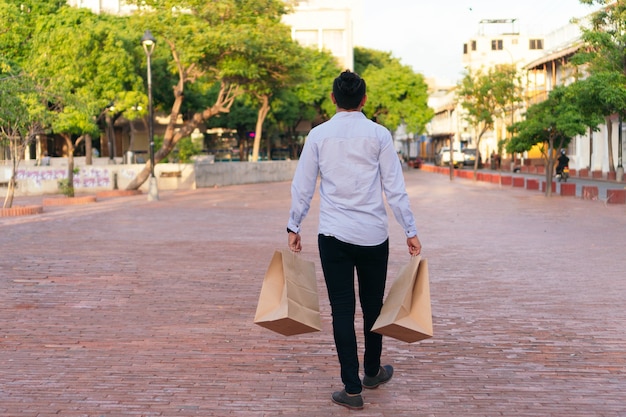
[443,157]
[469,157]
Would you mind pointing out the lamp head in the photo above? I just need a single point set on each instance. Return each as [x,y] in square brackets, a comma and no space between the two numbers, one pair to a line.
[148,42]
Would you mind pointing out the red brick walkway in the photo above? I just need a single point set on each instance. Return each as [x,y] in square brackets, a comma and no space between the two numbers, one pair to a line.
[133,308]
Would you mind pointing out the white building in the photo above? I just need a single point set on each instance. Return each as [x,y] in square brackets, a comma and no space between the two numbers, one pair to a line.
[117,7]
[327,25]
[324,24]
[498,41]
[589,154]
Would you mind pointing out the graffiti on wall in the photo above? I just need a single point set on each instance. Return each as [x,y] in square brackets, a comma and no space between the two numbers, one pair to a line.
[87,177]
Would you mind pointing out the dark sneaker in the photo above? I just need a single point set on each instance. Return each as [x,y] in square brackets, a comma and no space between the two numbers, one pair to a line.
[354,402]
[384,374]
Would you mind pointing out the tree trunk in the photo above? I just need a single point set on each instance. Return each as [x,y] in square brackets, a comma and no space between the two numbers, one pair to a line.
[88,150]
[15,161]
[70,165]
[223,103]
[480,136]
[262,114]
[609,134]
[110,133]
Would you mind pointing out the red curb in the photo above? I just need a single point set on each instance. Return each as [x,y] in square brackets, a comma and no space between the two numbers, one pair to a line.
[568,190]
[590,192]
[21,211]
[69,201]
[532,184]
[616,196]
[117,193]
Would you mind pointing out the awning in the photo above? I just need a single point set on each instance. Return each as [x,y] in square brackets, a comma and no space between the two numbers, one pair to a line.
[571,50]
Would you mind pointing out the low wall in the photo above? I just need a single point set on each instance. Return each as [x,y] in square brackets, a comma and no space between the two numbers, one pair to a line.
[233,173]
[42,180]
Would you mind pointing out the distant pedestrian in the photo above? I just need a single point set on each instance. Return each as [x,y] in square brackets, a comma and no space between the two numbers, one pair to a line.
[45,161]
[357,163]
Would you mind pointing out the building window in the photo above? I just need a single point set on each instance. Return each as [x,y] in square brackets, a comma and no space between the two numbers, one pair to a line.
[496,45]
[471,46]
[535,44]
[333,41]
[307,38]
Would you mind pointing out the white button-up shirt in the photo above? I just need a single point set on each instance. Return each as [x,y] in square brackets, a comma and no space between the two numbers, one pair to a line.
[356,161]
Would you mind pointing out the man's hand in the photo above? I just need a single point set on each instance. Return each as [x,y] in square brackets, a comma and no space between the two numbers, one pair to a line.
[415,247]
[294,242]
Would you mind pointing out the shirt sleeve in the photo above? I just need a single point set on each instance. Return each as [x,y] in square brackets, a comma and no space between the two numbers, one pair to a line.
[303,186]
[394,187]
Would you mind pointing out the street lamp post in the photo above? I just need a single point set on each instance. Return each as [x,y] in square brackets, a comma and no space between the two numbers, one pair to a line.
[148,42]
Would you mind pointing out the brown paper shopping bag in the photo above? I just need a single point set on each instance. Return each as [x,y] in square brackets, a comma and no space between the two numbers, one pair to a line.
[406,314]
[288,303]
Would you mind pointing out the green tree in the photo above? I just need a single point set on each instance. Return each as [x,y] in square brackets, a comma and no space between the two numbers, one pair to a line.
[208,45]
[550,125]
[308,100]
[365,58]
[604,52]
[89,72]
[23,116]
[273,64]
[485,96]
[18,24]
[396,95]
[600,96]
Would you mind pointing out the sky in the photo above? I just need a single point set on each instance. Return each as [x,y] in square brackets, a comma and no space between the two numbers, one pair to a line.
[428,35]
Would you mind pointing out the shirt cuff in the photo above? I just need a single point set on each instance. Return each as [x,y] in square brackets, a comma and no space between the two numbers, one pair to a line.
[292,228]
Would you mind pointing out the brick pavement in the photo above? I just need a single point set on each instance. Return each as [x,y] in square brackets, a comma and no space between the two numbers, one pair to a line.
[127,307]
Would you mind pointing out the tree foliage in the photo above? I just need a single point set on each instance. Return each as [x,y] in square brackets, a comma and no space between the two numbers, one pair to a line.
[90,73]
[23,115]
[485,96]
[550,124]
[365,58]
[395,93]
[220,43]
[604,54]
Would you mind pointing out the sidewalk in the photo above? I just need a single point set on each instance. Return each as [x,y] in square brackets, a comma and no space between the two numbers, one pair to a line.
[126,307]
[602,185]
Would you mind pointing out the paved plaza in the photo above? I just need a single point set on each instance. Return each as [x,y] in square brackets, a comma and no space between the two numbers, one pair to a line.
[126,307]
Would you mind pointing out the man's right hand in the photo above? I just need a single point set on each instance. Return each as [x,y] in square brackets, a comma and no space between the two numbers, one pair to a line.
[294,242]
[415,247]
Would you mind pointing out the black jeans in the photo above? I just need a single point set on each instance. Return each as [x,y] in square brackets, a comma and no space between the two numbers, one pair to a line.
[339,261]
